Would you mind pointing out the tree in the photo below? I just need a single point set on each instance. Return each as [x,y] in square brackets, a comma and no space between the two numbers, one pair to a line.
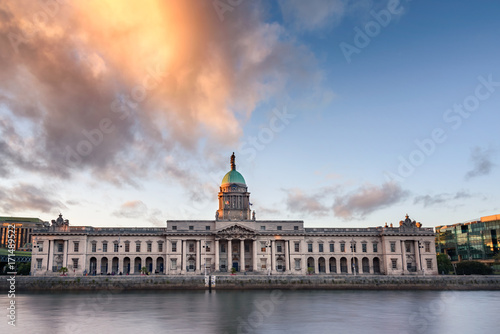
[144,270]
[473,268]
[24,268]
[63,271]
[444,264]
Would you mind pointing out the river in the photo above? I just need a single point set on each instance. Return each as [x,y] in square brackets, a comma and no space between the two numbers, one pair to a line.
[265,311]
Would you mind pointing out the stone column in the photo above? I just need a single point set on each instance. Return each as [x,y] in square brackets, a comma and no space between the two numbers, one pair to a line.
[65,254]
[98,265]
[242,255]
[51,256]
[120,265]
[217,255]
[417,256]
[287,256]
[183,257]
[273,256]
[229,256]
[254,251]
[198,256]
[403,256]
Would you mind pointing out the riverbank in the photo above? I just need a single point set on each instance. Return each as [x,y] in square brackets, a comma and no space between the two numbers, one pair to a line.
[240,282]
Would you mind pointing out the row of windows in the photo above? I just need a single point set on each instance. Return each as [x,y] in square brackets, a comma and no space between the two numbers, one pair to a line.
[394,263]
[364,247]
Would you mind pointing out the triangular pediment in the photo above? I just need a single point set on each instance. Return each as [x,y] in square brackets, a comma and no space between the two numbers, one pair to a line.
[236,230]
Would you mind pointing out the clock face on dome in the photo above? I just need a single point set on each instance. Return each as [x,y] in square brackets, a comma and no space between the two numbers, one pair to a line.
[234,188]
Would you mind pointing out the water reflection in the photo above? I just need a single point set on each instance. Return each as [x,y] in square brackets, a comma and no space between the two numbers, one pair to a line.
[257,312]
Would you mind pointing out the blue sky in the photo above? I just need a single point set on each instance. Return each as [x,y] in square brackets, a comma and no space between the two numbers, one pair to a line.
[334,140]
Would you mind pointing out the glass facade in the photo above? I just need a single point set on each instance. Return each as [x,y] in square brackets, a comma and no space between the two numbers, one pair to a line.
[474,240]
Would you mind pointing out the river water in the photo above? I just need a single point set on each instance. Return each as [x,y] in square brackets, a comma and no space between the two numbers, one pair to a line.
[265,311]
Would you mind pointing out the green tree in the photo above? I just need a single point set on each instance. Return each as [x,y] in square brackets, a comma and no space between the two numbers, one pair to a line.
[444,264]
[63,271]
[473,268]
[24,268]
[144,270]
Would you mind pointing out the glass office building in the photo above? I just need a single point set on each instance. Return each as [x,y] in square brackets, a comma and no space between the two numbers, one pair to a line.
[474,240]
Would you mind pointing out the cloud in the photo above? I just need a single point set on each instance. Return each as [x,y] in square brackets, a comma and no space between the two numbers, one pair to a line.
[313,14]
[113,89]
[26,197]
[368,199]
[482,164]
[300,202]
[428,200]
[137,209]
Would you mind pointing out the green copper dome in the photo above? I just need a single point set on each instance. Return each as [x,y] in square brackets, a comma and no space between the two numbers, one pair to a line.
[233,176]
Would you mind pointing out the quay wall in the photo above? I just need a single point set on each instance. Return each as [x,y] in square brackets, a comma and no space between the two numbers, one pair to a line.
[242,282]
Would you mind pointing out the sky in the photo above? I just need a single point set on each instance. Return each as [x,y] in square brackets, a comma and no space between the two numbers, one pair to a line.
[340,113]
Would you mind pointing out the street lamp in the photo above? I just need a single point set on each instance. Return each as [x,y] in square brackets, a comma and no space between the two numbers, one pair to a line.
[352,257]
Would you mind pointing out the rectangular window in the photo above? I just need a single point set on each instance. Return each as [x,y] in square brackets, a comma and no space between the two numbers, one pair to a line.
[394,263]
[75,263]
[247,248]
[278,248]
[332,248]
[310,248]
[295,228]
[429,263]
[174,227]
[297,264]
[104,247]
[207,228]
[115,247]
[320,246]
[427,247]
[297,247]
[94,246]
[38,263]
[342,247]
[174,246]
[263,264]
[262,246]
[363,248]
[137,246]
[279,228]
[149,247]
[127,247]
[40,246]
[262,228]
[353,247]
[222,248]
[393,247]
[60,246]
[208,246]
[191,247]
[191,227]
[160,247]
[173,264]
[75,246]
[375,247]
[408,247]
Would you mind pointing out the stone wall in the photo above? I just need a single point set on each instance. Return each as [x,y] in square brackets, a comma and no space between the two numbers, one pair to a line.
[117,283]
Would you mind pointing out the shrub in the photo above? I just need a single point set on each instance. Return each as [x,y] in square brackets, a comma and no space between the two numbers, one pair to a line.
[444,264]
[473,268]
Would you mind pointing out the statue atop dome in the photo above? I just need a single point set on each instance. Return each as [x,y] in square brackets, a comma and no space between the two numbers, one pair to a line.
[233,165]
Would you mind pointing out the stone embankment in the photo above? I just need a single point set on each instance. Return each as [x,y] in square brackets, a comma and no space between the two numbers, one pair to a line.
[242,282]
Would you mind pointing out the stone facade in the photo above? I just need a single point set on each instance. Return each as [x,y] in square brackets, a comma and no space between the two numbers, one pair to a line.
[235,239]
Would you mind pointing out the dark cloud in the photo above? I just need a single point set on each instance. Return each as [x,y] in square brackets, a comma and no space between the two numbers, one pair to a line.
[25,197]
[368,199]
[77,93]
[444,198]
[482,164]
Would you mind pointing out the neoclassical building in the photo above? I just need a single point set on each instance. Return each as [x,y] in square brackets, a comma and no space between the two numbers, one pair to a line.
[234,239]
